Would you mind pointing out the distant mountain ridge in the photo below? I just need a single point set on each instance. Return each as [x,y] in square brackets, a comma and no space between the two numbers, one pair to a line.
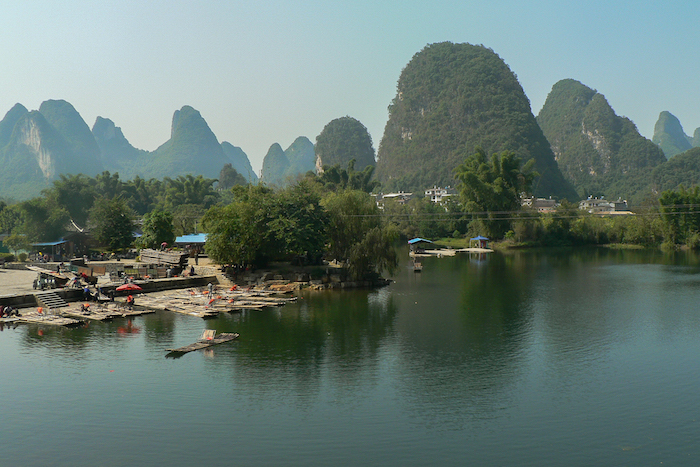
[670,137]
[38,146]
[600,153]
[281,167]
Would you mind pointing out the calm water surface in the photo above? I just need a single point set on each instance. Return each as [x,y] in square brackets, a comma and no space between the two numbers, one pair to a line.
[535,358]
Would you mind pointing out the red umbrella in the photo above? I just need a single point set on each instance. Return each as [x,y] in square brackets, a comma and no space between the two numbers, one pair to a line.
[128,286]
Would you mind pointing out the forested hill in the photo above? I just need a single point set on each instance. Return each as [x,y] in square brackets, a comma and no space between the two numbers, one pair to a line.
[600,153]
[682,169]
[451,99]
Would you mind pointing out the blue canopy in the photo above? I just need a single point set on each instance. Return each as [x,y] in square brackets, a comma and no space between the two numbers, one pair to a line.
[479,238]
[418,240]
[57,242]
[192,238]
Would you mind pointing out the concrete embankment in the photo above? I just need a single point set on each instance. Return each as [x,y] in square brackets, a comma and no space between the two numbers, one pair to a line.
[71,294]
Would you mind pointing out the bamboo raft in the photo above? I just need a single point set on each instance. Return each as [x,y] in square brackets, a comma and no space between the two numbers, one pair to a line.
[35,317]
[208,339]
[94,313]
[178,305]
[195,302]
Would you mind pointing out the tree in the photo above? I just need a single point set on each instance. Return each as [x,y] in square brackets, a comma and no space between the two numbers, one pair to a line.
[357,235]
[238,233]
[157,228]
[16,242]
[75,193]
[111,223]
[299,223]
[680,214]
[228,177]
[42,220]
[493,188]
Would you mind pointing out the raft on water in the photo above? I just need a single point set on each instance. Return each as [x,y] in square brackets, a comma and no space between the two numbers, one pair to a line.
[208,339]
[37,317]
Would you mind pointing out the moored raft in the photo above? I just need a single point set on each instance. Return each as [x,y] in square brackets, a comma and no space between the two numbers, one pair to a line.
[93,313]
[208,339]
[36,317]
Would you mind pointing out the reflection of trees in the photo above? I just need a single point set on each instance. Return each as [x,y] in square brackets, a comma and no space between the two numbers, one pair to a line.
[72,342]
[463,338]
[325,334]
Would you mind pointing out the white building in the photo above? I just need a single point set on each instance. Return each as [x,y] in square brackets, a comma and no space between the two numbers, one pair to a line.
[438,195]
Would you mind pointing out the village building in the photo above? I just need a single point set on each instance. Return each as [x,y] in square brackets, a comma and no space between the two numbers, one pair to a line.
[601,205]
[542,205]
[400,197]
[439,195]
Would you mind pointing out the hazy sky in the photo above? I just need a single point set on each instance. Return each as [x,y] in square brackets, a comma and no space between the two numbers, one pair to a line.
[269,71]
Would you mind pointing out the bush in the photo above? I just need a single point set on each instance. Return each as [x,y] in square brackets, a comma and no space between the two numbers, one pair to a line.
[23,257]
[9,258]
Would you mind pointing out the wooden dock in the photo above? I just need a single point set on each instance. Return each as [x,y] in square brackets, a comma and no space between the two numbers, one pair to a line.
[208,339]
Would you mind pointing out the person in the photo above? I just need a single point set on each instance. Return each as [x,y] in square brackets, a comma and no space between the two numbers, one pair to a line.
[130,302]
[86,293]
[211,290]
[191,270]
[196,257]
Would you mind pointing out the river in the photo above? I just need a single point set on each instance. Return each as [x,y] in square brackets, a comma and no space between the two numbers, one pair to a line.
[571,357]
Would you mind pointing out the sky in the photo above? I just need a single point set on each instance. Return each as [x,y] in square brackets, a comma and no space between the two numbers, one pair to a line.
[269,71]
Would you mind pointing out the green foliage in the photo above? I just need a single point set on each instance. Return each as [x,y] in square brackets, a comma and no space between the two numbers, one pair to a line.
[680,214]
[16,242]
[343,140]
[41,220]
[157,228]
[451,99]
[238,233]
[422,218]
[334,178]
[300,223]
[186,218]
[75,193]
[229,177]
[493,187]
[683,169]
[357,234]
[189,189]
[10,217]
[111,223]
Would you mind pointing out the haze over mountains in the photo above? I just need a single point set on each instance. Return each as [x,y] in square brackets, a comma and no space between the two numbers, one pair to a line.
[450,100]
[669,135]
[37,146]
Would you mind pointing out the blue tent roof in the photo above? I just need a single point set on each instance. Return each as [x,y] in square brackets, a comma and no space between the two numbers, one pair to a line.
[479,238]
[192,238]
[58,242]
[417,240]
